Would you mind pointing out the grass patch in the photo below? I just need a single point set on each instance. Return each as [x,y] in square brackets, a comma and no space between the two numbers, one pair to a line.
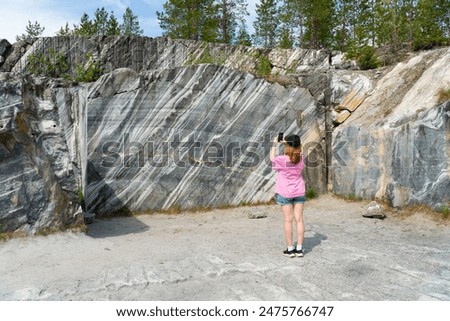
[438,215]
[443,95]
[350,197]
[207,58]
[5,236]
[445,212]
[177,209]
[76,228]
[311,193]
[353,198]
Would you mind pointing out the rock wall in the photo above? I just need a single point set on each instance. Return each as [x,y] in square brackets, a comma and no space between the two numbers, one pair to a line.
[144,53]
[395,146]
[187,137]
[212,124]
[183,124]
[38,187]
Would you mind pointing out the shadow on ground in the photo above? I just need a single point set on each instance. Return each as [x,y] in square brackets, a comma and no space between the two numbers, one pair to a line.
[116,227]
[311,242]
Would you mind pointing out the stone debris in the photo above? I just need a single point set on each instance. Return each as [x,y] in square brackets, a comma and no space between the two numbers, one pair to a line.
[375,210]
[256,213]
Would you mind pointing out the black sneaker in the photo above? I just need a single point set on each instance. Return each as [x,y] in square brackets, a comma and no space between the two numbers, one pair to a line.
[298,253]
[289,253]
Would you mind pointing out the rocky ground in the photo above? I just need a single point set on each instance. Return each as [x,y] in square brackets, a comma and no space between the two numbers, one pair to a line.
[224,255]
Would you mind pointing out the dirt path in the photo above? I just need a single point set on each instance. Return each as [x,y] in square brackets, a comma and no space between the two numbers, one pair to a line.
[224,255]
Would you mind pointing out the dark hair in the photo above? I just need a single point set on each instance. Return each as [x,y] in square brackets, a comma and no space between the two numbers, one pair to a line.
[293,140]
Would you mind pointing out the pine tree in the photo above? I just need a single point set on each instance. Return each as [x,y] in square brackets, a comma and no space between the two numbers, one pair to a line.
[86,27]
[130,25]
[64,31]
[32,30]
[345,23]
[291,24]
[409,12]
[318,23]
[388,17]
[354,24]
[285,39]
[266,23]
[364,33]
[243,37]
[432,23]
[112,27]
[100,21]
[231,13]
[189,19]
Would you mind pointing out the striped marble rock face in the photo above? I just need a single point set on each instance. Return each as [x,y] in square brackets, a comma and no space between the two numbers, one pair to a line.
[395,146]
[188,137]
[38,187]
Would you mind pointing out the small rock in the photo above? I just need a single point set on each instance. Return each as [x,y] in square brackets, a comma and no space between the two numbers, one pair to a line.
[375,210]
[256,215]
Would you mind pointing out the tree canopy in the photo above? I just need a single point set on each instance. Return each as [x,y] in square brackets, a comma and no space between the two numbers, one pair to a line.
[350,26]
[32,30]
[104,23]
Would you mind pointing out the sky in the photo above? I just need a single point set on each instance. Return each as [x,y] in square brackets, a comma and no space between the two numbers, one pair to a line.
[53,14]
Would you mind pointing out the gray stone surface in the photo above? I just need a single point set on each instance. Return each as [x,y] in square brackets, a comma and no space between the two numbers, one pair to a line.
[161,102]
[149,137]
[38,188]
[396,147]
[222,255]
[144,53]
[4,47]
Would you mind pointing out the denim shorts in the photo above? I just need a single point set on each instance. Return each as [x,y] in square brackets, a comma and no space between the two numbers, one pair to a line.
[281,200]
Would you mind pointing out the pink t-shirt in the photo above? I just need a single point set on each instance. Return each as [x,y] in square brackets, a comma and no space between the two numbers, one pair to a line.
[289,181]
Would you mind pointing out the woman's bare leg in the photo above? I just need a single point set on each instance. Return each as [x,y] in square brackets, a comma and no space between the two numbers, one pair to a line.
[288,215]
[298,214]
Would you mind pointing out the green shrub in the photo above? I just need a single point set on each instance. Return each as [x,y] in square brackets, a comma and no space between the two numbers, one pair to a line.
[311,193]
[445,211]
[89,71]
[263,66]
[367,58]
[52,64]
[208,58]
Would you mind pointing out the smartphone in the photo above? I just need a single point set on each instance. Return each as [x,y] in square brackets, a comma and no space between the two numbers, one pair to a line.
[280,137]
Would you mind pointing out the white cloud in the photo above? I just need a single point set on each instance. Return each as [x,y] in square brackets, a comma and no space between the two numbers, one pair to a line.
[50,14]
[120,5]
[53,14]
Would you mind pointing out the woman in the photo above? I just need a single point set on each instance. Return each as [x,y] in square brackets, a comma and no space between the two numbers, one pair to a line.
[290,189]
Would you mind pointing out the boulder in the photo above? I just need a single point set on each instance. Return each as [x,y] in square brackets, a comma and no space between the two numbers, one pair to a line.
[4,47]
[256,213]
[375,210]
